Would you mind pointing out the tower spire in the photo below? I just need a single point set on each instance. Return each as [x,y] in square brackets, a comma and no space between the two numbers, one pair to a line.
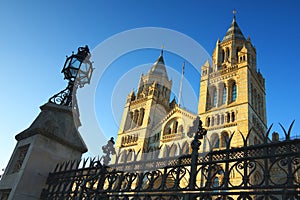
[234,31]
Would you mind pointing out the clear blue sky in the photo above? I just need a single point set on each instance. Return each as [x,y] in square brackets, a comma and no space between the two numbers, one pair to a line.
[37,35]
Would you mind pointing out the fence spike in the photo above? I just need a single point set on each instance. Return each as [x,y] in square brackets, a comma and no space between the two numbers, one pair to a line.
[290,129]
[225,138]
[92,161]
[72,164]
[66,165]
[56,167]
[135,154]
[244,139]
[249,132]
[267,133]
[230,138]
[61,166]
[78,163]
[84,162]
[287,133]
[284,131]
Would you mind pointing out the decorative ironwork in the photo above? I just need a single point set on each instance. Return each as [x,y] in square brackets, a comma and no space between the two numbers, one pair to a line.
[78,71]
[66,97]
[270,170]
[108,150]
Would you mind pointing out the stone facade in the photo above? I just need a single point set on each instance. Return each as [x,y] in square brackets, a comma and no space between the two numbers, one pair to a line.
[232,100]
[232,92]
[150,121]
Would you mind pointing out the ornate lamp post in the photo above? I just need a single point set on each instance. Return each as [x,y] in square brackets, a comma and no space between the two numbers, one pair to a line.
[77,70]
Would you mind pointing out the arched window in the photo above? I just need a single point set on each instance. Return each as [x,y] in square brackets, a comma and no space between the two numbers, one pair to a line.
[215,142]
[141,117]
[123,155]
[173,151]
[224,92]
[129,121]
[228,117]
[214,100]
[123,140]
[227,53]
[208,121]
[180,129]
[224,139]
[185,149]
[166,151]
[232,116]
[175,126]
[223,56]
[130,155]
[234,94]
[237,53]
[222,119]
[171,127]
[135,118]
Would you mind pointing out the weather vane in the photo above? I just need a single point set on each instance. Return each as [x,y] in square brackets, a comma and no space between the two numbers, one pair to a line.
[162,49]
[234,13]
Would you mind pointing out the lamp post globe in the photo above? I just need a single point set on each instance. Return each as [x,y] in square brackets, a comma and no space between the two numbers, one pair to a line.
[77,70]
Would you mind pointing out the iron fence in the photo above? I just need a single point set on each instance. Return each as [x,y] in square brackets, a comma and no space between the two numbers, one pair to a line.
[266,171]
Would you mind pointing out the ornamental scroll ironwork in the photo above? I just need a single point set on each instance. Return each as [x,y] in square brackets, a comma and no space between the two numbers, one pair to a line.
[270,170]
[108,150]
[66,97]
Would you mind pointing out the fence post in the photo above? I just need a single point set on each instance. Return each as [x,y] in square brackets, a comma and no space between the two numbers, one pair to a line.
[200,133]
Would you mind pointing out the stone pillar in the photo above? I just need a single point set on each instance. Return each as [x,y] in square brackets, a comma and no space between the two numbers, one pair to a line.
[53,137]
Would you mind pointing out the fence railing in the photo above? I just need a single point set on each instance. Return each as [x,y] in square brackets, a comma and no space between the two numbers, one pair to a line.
[267,171]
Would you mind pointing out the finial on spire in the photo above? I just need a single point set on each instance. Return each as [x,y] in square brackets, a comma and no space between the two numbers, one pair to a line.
[234,14]
[162,49]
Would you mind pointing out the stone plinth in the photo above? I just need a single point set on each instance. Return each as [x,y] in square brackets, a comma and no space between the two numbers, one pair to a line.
[52,138]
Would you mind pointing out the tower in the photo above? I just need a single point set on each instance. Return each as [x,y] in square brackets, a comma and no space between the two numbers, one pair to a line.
[143,110]
[232,91]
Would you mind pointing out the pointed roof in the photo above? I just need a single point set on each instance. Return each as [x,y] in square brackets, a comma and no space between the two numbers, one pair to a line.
[183,112]
[159,68]
[234,32]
